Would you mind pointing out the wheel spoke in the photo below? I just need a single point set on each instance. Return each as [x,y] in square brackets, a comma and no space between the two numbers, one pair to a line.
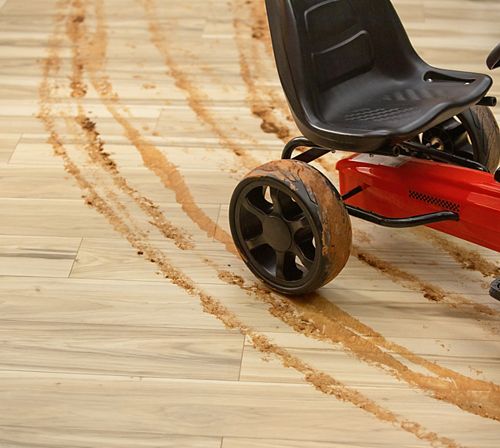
[306,262]
[280,265]
[275,196]
[260,214]
[255,242]
[300,224]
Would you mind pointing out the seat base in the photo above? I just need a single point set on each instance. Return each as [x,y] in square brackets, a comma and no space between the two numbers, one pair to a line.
[387,111]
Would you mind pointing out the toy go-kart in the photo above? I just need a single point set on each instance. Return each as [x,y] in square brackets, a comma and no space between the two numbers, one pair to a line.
[429,145]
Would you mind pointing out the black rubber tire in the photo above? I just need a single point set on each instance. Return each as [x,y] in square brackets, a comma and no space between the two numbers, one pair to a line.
[475,136]
[315,202]
[495,289]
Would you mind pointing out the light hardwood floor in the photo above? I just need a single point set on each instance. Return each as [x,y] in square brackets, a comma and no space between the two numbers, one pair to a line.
[98,348]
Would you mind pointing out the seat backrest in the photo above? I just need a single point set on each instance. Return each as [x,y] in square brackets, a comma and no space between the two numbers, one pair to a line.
[322,44]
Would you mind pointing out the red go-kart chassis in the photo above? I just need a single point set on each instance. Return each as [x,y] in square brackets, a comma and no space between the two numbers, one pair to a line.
[401,191]
[404,186]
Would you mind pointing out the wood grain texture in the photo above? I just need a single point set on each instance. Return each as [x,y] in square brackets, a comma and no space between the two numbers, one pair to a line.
[37,256]
[286,443]
[8,144]
[99,347]
[121,350]
[21,437]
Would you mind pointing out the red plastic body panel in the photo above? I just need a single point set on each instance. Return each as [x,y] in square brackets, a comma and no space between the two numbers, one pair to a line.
[399,187]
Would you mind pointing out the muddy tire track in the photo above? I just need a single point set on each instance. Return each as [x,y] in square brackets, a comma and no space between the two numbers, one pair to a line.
[431,292]
[151,156]
[478,397]
[262,103]
[195,96]
[469,259]
[76,31]
[320,380]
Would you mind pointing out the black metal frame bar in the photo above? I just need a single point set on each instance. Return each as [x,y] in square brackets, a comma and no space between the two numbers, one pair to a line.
[400,223]
[488,101]
[411,221]
[418,150]
[315,152]
[352,193]
[409,148]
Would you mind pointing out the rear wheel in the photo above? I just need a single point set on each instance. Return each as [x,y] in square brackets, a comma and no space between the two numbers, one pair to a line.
[473,134]
[290,226]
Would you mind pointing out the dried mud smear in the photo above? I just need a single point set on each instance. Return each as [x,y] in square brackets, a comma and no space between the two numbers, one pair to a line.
[195,97]
[152,157]
[469,259]
[320,380]
[76,32]
[262,106]
[315,320]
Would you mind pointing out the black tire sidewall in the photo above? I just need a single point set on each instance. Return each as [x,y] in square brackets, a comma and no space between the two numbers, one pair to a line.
[322,264]
[482,128]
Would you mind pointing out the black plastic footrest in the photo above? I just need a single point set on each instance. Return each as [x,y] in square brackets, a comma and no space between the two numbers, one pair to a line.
[495,289]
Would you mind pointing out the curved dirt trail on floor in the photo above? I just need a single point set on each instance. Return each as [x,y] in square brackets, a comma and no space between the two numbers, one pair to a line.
[152,157]
[266,104]
[470,260]
[320,380]
[194,96]
[94,147]
[475,396]
[453,395]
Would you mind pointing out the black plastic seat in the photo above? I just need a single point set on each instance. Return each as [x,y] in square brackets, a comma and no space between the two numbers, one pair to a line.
[354,81]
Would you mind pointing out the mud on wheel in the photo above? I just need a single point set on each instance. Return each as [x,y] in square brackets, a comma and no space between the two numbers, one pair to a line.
[290,226]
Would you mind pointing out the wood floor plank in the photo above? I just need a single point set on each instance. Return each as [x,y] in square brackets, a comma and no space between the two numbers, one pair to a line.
[114,259]
[97,302]
[43,218]
[8,144]
[286,443]
[37,256]
[185,407]
[120,349]
[33,217]
[54,437]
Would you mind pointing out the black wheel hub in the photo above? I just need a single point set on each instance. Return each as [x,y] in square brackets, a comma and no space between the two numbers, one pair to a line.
[277,233]
[451,137]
